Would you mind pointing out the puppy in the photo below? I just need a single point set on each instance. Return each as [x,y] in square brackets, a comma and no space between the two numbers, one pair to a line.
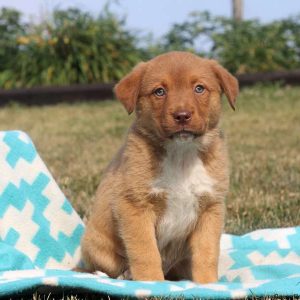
[159,210]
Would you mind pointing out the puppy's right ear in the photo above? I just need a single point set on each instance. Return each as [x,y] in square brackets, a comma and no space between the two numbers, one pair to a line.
[127,90]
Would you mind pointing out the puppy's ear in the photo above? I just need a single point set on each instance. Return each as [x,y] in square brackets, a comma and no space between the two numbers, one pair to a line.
[228,83]
[127,90]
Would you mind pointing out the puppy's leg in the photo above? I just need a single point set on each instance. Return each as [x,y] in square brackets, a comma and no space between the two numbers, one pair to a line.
[205,244]
[136,226]
[100,254]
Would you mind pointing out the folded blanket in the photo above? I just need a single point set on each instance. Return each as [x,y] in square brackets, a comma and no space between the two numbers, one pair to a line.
[40,242]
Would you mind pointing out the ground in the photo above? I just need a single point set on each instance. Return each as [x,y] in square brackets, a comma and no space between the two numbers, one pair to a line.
[263,135]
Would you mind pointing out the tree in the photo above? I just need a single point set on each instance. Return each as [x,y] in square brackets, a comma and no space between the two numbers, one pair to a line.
[10,28]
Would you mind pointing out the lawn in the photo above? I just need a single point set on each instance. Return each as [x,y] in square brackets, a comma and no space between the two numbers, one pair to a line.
[77,141]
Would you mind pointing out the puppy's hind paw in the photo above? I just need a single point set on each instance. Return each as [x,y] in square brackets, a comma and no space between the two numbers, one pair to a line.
[126,275]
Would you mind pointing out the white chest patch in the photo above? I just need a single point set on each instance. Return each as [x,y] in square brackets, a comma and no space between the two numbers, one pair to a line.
[183,178]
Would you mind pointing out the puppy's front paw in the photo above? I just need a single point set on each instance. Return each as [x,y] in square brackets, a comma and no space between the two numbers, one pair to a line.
[125,275]
[205,278]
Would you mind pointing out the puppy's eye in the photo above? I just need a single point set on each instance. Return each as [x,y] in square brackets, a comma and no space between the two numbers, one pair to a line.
[199,89]
[159,92]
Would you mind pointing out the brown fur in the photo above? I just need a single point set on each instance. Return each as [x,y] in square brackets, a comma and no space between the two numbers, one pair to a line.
[121,232]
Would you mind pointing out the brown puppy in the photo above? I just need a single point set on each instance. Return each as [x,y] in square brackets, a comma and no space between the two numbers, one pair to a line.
[159,209]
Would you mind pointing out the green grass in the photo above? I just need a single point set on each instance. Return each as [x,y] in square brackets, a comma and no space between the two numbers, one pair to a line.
[77,141]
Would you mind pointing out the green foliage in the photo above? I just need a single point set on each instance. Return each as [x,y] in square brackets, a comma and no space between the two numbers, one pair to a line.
[72,47]
[250,46]
[185,36]
[242,47]
[10,28]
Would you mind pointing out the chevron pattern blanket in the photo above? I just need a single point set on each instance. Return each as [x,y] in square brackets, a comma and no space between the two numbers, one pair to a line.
[40,243]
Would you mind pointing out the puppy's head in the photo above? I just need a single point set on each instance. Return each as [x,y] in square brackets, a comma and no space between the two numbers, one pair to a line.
[177,94]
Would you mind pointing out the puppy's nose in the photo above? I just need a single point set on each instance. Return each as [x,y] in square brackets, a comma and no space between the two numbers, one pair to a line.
[182,117]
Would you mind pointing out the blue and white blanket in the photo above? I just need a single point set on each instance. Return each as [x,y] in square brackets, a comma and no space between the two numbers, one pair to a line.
[40,242]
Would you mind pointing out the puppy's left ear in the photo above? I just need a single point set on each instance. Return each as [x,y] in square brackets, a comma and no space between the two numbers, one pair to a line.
[228,83]
[127,90]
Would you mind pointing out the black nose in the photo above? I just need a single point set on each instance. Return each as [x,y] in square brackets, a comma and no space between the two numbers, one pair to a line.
[182,117]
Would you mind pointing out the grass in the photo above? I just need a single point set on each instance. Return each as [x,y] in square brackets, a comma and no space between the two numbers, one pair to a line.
[77,141]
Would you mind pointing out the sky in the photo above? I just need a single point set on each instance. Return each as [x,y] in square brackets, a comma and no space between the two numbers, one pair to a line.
[157,16]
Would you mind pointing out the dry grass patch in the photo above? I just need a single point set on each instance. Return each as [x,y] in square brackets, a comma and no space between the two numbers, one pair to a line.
[77,141]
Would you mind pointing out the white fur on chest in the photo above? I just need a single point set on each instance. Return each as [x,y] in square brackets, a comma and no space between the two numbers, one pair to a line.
[183,178]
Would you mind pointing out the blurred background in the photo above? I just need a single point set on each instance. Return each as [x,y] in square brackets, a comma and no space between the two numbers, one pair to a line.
[47,42]
[57,56]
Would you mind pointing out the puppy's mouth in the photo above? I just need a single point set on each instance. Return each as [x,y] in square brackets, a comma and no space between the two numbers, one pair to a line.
[184,135]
